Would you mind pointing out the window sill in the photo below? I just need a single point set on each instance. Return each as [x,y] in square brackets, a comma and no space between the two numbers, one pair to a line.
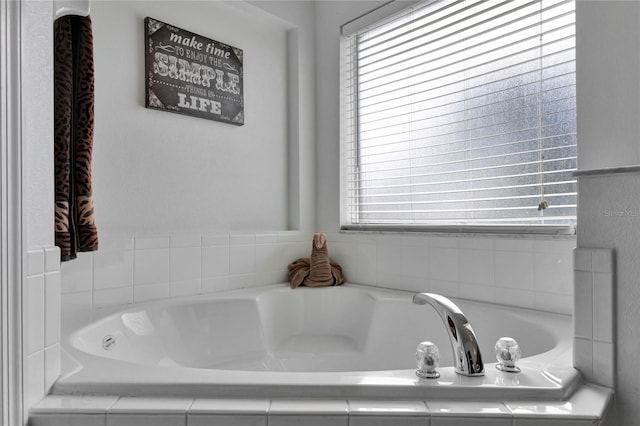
[531,230]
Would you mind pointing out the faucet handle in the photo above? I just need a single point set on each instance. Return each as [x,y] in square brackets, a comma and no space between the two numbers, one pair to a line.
[508,354]
[428,359]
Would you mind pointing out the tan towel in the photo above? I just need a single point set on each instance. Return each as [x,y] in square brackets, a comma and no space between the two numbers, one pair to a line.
[317,270]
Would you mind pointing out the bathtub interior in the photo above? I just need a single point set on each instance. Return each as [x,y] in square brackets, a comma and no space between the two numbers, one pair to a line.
[347,328]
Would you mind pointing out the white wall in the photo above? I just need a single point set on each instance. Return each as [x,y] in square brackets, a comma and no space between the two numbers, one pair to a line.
[37,122]
[154,171]
[300,15]
[608,79]
[608,71]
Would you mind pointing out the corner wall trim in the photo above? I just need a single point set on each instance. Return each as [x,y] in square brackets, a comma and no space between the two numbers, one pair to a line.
[11,233]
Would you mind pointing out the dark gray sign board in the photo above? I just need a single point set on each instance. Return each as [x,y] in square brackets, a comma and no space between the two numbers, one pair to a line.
[192,75]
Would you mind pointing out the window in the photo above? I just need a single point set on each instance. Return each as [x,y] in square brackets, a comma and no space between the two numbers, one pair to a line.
[461,113]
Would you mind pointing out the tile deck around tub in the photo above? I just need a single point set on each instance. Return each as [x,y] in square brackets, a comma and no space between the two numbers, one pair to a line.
[587,406]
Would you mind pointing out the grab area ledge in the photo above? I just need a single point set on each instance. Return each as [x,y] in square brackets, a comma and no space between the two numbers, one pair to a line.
[588,405]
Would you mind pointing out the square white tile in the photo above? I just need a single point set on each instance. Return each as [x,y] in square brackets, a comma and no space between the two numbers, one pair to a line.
[365,266]
[51,366]
[289,412]
[604,364]
[477,243]
[113,269]
[452,242]
[242,259]
[77,275]
[514,297]
[74,404]
[34,314]
[185,240]
[380,420]
[113,296]
[314,406]
[226,420]
[490,409]
[583,305]
[387,413]
[477,267]
[229,406]
[144,293]
[67,419]
[185,288]
[228,412]
[215,261]
[445,288]
[470,421]
[515,244]
[242,239]
[481,293]
[151,242]
[414,261]
[514,269]
[268,238]
[35,262]
[185,264]
[557,303]
[552,422]
[215,240]
[444,264]
[308,420]
[389,259]
[151,266]
[149,405]
[213,285]
[582,259]
[123,419]
[268,257]
[52,259]
[603,307]
[554,272]
[602,260]
[75,310]
[52,308]
[583,356]
[34,380]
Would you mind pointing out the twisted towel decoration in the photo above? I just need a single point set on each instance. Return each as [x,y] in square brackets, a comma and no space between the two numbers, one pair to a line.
[317,270]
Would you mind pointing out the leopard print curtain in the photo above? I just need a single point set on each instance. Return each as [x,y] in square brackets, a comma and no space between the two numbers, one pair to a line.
[75,229]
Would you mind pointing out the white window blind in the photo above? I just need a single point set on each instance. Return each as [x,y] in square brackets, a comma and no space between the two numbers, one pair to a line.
[461,113]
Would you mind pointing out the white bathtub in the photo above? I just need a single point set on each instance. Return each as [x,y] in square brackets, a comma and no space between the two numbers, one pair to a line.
[350,341]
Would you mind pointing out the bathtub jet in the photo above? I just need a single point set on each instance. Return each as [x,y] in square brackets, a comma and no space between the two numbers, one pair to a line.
[467,359]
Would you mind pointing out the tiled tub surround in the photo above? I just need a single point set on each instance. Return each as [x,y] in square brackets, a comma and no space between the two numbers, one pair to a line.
[594,318]
[525,272]
[41,321]
[544,391]
[586,407]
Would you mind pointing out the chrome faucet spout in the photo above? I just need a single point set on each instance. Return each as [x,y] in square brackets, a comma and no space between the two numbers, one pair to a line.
[467,359]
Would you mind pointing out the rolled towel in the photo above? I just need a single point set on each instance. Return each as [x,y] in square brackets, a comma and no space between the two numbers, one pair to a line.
[298,271]
[317,270]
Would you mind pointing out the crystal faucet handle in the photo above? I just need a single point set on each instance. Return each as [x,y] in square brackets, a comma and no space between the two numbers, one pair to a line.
[428,359]
[508,354]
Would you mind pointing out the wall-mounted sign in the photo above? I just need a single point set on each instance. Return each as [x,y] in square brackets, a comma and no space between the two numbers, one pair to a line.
[193,75]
